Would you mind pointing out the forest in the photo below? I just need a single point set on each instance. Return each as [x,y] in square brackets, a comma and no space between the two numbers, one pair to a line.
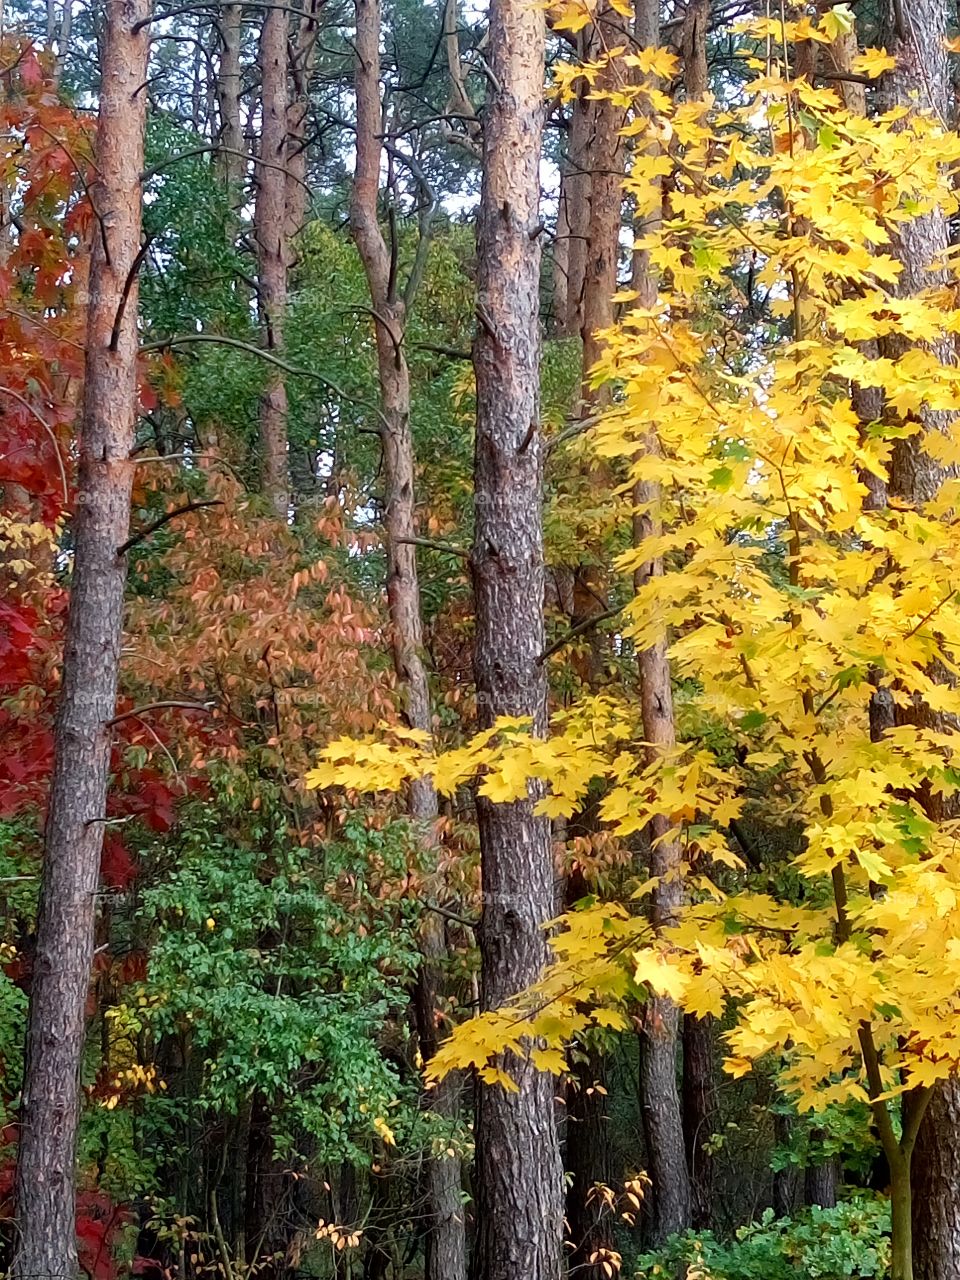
[479,640]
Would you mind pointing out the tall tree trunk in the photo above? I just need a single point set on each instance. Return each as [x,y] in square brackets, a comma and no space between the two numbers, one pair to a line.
[914,34]
[587,1145]
[573,220]
[230,158]
[518,1172]
[303,61]
[445,1237]
[606,198]
[73,841]
[270,222]
[588,1164]
[659,1067]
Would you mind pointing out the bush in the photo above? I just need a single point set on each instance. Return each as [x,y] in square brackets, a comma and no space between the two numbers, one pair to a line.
[850,1242]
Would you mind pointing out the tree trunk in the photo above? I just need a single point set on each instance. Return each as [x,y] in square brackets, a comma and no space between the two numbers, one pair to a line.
[915,36]
[230,159]
[693,39]
[445,1237]
[660,1097]
[606,201]
[446,1243]
[699,1113]
[78,788]
[303,60]
[588,1164]
[519,1196]
[820,1184]
[270,223]
[936,1188]
[573,219]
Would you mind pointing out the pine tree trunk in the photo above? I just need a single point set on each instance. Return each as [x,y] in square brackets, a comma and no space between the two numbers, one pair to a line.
[45,1186]
[573,219]
[303,60]
[230,160]
[270,224]
[445,1234]
[915,36]
[936,1187]
[518,1172]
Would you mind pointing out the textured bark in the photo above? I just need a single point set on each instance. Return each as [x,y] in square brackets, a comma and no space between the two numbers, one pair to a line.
[693,39]
[303,61]
[230,161]
[936,1188]
[699,1112]
[588,1163]
[914,34]
[820,1184]
[519,1197]
[659,1092]
[270,226]
[445,1235]
[78,788]
[573,219]
[646,32]
[606,203]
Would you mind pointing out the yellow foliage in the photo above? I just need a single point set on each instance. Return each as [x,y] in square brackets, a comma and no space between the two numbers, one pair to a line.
[791,600]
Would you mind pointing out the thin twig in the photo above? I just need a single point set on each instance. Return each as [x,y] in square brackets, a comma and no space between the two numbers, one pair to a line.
[48,429]
[157,706]
[165,519]
[587,625]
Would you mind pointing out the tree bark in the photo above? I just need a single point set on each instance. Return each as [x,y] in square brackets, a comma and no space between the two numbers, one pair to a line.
[660,1098]
[303,61]
[270,225]
[927,1198]
[45,1185]
[820,1184]
[699,1096]
[606,201]
[693,39]
[519,1196]
[588,1164]
[573,218]
[230,161]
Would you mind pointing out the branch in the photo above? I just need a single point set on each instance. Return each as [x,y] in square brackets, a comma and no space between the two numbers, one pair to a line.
[127,286]
[571,431]
[587,625]
[157,706]
[453,353]
[432,545]
[451,915]
[168,344]
[165,519]
[48,429]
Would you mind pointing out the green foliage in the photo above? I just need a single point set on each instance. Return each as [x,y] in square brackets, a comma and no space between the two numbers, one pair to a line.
[849,1241]
[278,979]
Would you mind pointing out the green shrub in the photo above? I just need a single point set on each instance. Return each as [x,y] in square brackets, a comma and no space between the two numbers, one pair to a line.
[850,1242]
